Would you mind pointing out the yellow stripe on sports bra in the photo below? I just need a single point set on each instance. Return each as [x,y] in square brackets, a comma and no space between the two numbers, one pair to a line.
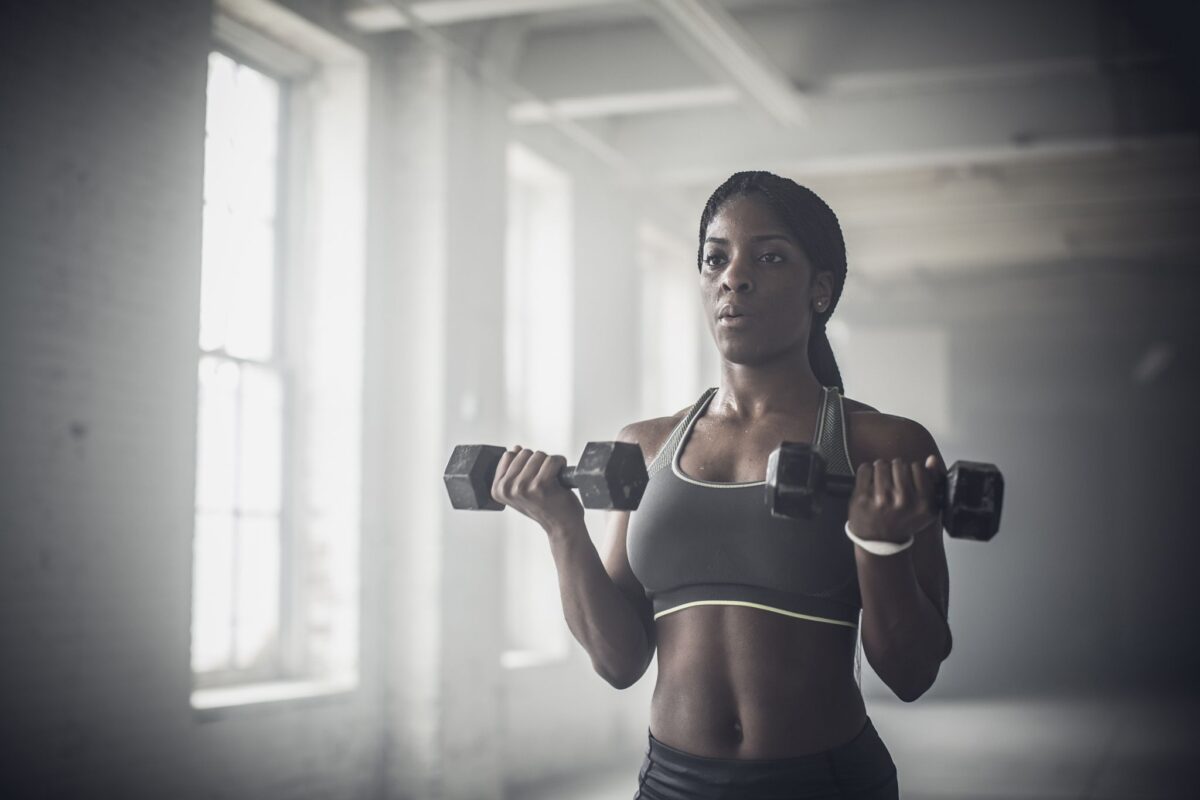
[758,606]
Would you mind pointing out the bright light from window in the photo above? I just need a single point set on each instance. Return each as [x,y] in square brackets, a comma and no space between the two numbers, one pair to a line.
[671,375]
[238,261]
[538,376]
[239,458]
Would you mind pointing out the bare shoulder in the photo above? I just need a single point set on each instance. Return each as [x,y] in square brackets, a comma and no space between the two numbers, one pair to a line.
[651,434]
[873,434]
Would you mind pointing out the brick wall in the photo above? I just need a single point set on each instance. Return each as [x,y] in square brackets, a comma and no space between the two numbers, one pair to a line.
[100,195]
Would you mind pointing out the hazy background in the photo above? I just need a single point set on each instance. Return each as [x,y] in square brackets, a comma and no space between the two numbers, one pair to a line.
[250,301]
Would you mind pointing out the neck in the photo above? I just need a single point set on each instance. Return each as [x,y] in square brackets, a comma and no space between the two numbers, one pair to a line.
[753,391]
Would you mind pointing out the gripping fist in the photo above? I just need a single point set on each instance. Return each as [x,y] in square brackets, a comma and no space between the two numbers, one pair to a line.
[893,500]
[527,480]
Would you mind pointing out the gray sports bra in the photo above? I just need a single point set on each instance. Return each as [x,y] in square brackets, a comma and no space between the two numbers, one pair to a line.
[694,542]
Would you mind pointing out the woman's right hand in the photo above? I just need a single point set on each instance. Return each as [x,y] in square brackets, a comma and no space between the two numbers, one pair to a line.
[527,480]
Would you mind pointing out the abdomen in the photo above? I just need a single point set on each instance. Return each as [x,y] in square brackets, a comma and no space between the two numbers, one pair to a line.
[744,683]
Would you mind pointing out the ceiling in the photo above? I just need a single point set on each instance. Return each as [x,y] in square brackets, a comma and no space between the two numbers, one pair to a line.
[948,134]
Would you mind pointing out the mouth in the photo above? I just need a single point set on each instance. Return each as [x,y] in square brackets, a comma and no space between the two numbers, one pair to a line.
[731,316]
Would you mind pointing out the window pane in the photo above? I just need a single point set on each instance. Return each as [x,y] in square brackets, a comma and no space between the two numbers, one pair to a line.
[257,627]
[216,436]
[538,344]
[212,593]
[221,114]
[241,149]
[261,463]
[216,276]
[237,285]
[240,182]
[251,316]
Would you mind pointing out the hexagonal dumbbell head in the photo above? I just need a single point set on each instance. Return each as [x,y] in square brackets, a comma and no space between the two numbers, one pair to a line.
[794,473]
[469,476]
[610,475]
[976,495]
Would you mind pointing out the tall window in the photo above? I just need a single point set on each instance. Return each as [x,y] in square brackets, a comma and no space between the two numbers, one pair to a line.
[675,337]
[239,532]
[279,426]
[538,375]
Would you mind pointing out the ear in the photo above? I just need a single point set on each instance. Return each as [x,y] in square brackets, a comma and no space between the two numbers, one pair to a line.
[822,287]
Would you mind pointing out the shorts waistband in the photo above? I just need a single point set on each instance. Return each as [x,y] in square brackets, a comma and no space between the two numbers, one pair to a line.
[868,730]
[862,758]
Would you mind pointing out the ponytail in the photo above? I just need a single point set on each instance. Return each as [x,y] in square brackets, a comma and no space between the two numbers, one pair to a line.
[820,357]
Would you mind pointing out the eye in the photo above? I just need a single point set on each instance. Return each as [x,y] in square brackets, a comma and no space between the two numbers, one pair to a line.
[771,258]
[714,258]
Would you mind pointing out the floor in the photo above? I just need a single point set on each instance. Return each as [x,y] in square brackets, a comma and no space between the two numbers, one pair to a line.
[1035,749]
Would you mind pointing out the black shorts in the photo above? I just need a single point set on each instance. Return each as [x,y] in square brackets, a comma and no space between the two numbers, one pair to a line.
[860,769]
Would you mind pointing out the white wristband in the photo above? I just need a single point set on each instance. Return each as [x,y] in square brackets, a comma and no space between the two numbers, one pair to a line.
[879,548]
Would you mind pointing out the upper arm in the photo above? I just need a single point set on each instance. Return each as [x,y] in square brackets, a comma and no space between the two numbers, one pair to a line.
[887,436]
[649,435]
[928,550]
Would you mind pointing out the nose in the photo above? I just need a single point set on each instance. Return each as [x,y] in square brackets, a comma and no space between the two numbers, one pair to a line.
[738,277]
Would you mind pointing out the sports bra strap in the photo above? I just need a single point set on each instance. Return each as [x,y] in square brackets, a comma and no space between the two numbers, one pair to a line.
[666,453]
[830,441]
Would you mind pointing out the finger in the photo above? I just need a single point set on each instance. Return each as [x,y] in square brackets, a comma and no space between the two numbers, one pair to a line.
[529,471]
[508,483]
[923,481]
[864,476]
[548,473]
[933,463]
[864,481]
[501,470]
[903,489]
[882,482]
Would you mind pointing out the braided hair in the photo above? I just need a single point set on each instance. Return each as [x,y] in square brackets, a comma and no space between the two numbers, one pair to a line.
[815,227]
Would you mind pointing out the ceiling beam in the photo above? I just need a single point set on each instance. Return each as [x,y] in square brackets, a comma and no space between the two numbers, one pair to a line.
[377,17]
[845,85]
[715,40]
[624,103]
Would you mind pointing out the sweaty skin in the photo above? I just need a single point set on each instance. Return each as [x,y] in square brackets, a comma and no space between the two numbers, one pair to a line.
[737,682]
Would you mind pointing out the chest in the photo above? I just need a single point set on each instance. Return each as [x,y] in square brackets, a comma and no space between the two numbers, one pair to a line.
[725,452]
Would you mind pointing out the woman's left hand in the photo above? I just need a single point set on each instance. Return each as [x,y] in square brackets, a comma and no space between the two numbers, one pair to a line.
[893,500]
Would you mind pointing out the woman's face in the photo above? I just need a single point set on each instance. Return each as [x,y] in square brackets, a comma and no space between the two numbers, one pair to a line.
[755,282]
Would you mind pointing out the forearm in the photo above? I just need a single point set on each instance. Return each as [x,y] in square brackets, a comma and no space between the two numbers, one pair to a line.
[599,616]
[903,632]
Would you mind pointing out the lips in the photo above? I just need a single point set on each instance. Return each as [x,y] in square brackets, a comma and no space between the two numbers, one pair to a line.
[730,310]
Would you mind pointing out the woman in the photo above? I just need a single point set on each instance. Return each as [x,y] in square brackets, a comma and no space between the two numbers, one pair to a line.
[756,619]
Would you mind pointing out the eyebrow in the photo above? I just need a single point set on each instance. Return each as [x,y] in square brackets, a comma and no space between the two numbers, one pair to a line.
[760,238]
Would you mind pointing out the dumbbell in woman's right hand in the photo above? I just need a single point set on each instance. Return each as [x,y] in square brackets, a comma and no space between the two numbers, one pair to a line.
[610,475]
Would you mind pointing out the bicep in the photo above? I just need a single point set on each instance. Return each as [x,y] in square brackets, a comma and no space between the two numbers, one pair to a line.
[929,548]
[649,436]
[615,557]
[933,573]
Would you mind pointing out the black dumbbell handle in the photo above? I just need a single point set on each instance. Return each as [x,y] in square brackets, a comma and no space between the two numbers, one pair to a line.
[837,485]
